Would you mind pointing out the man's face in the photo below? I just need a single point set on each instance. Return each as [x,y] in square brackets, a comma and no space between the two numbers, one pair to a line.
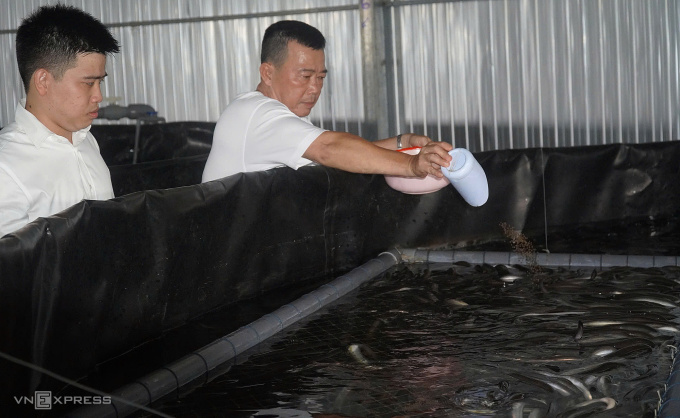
[73,101]
[298,81]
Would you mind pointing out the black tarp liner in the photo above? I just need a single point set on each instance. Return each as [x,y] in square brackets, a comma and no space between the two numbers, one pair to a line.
[88,284]
[157,141]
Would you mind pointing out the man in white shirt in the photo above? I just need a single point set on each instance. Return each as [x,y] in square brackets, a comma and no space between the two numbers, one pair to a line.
[270,127]
[49,160]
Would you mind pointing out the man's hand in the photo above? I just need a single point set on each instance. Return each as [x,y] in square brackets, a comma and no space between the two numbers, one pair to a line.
[432,156]
[414,140]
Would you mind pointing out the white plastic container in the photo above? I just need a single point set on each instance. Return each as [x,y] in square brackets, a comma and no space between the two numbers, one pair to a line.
[467,176]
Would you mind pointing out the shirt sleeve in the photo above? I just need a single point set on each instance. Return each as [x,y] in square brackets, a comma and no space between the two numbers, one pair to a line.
[277,136]
[14,203]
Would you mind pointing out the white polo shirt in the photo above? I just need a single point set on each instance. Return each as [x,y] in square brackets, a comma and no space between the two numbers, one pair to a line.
[257,133]
[42,173]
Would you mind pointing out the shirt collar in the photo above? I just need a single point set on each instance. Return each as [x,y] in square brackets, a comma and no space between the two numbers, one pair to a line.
[38,133]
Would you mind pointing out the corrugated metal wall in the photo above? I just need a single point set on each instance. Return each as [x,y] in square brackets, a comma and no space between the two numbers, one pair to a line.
[485,74]
[541,73]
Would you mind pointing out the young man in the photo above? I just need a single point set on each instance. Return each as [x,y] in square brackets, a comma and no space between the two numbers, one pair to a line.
[49,160]
[269,127]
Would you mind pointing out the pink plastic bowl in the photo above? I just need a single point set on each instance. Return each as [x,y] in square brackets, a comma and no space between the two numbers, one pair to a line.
[416,185]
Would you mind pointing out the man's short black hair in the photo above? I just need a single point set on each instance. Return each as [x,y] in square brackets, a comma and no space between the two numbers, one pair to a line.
[277,36]
[53,36]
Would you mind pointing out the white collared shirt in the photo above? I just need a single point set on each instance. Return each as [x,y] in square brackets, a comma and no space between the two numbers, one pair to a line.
[257,133]
[42,173]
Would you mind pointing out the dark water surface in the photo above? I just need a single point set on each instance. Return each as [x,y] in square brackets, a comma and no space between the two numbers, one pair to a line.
[462,341]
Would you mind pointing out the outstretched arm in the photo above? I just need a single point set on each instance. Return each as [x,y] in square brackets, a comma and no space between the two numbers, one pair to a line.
[352,153]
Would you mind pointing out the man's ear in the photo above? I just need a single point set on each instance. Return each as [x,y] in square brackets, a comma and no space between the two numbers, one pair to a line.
[40,80]
[266,73]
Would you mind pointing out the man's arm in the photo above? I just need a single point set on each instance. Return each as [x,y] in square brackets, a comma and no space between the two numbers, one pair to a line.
[352,153]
